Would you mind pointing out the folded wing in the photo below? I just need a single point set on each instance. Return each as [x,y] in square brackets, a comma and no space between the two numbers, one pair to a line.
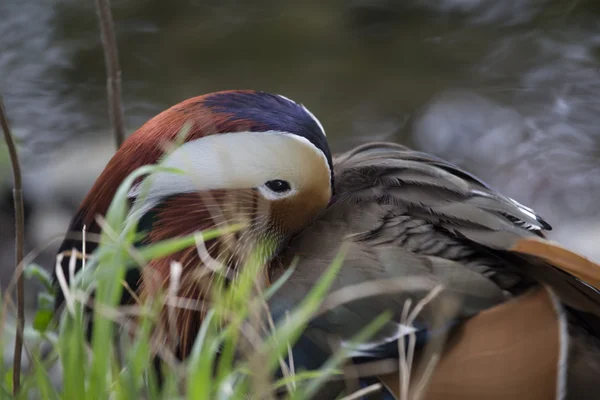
[408,215]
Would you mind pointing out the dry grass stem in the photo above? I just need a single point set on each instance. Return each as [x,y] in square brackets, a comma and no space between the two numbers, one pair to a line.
[209,262]
[407,355]
[287,370]
[64,286]
[292,367]
[83,246]
[174,284]
[432,352]
[257,359]
[19,243]
[113,70]
[374,288]
[363,392]
[413,382]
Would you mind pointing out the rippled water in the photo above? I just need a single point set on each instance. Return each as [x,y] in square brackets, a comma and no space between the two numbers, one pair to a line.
[509,89]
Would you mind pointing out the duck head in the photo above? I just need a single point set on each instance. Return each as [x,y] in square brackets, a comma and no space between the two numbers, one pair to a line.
[248,157]
[259,159]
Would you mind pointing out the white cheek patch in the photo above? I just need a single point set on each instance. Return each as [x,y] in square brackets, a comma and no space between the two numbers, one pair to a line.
[240,160]
[313,147]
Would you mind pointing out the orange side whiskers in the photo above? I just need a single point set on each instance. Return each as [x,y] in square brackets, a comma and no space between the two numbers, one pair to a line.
[183,215]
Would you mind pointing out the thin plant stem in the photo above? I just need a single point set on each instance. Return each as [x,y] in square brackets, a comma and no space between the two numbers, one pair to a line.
[113,70]
[19,244]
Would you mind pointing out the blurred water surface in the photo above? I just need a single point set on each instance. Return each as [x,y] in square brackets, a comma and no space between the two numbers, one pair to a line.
[509,89]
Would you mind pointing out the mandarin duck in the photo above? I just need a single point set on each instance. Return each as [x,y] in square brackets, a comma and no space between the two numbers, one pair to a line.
[493,308]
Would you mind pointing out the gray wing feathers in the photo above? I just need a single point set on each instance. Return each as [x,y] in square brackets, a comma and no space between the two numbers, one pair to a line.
[431,187]
[367,263]
[431,207]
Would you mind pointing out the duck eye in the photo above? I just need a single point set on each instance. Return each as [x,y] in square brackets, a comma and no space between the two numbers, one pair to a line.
[278,186]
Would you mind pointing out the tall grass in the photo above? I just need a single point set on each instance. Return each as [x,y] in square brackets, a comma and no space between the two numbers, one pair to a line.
[237,351]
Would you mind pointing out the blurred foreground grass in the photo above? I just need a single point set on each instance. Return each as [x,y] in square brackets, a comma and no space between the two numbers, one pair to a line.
[235,356]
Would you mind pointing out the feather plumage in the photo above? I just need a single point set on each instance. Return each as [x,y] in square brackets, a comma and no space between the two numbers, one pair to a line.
[220,113]
[407,214]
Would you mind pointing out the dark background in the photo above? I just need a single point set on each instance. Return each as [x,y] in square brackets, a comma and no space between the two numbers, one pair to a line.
[509,89]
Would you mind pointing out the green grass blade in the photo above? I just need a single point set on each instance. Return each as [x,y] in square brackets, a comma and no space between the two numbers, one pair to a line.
[169,246]
[202,360]
[289,330]
[331,366]
[71,347]
[275,286]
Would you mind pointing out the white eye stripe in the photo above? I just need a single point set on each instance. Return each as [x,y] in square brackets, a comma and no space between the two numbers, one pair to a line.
[307,111]
[239,160]
[314,119]
[286,98]
[311,145]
